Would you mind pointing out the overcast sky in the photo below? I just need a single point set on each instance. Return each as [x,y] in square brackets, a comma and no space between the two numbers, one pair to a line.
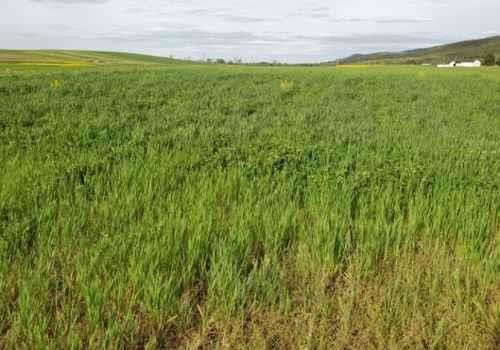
[284,30]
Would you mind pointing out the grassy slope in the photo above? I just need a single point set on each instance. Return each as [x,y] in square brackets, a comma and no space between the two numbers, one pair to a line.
[75,58]
[249,207]
[472,49]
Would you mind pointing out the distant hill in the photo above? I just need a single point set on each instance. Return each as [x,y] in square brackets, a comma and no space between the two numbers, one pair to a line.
[465,50]
[75,57]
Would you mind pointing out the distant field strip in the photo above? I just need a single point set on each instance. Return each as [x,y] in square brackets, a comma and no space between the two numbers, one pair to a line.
[82,57]
[54,64]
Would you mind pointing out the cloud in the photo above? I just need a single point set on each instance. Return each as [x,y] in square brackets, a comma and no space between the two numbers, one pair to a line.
[402,20]
[380,39]
[226,14]
[166,36]
[318,12]
[68,2]
[380,20]
[325,13]
[350,20]
[243,19]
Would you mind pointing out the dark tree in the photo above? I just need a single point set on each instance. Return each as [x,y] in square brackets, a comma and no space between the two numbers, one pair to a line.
[489,60]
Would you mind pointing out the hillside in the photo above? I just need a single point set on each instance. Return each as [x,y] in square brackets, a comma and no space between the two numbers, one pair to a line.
[465,50]
[78,58]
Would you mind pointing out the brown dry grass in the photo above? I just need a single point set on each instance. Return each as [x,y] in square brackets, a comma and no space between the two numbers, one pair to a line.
[408,305]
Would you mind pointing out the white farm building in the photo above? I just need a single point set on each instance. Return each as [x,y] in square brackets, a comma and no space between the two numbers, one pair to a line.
[452,64]
[476,63]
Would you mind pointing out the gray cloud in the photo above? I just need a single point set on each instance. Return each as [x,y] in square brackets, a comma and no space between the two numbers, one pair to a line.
[350,20]
[380,39]
[318,12]
[226,14]
[243,19]
[402,20]
[195,37]
[72,1]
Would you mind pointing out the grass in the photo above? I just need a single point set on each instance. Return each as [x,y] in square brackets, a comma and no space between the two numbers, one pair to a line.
[241,207]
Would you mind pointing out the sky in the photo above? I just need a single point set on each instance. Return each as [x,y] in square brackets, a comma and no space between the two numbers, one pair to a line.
[259,30]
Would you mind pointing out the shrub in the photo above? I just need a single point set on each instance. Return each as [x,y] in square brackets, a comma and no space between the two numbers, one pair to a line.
[489,60]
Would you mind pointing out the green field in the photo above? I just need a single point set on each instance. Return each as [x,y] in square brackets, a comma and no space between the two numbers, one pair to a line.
[190,206]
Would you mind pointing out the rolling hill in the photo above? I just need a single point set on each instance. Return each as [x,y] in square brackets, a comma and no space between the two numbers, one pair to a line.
[465,50]
[79,58]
